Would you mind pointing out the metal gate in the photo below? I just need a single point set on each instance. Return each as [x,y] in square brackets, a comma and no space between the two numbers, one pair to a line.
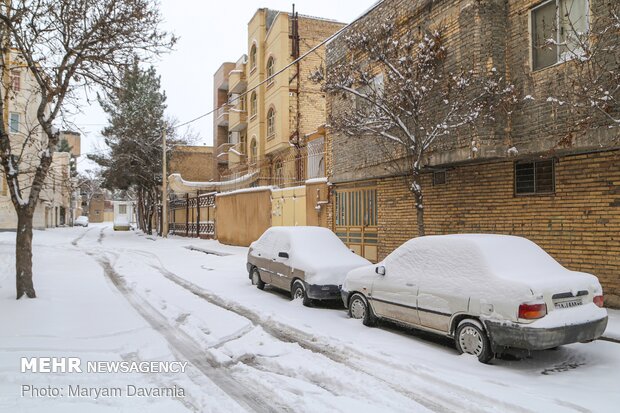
[193,216]
[356,220]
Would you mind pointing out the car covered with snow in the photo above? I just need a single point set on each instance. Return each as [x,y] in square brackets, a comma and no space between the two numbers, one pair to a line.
[494,294]
[81,221]
[310,262]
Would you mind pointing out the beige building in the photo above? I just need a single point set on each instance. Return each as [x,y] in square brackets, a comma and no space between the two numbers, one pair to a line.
[268,112]
[28,142]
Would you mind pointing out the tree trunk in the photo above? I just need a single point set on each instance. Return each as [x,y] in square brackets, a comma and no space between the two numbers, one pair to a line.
[416,188]
[23,255]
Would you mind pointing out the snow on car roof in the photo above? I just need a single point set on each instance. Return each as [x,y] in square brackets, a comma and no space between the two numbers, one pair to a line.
[310,248]
[505,256]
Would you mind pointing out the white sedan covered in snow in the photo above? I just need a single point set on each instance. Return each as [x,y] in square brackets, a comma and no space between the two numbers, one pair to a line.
[310,262]
[491,293]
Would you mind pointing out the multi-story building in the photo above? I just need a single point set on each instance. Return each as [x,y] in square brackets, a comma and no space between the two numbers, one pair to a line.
[267,112]
[516,178]
[28,141]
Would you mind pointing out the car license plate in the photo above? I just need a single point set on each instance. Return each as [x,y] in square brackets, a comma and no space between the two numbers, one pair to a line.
[569,303]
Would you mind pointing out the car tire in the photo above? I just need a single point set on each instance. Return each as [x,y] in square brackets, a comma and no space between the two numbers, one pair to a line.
[256,280]
[298,292]
[472,339]
[360,309]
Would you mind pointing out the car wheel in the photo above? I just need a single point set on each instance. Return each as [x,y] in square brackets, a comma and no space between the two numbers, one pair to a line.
[298,292]
[256,279]
[360,309]
[471,339]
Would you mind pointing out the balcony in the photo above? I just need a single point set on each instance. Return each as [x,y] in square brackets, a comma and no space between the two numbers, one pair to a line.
[237,82]
[236,155]
[221,116]
[237,120]
[221,153]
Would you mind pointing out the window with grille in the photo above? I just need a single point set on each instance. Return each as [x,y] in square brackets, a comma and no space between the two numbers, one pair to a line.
[536,177]
[122,209]
[439,177]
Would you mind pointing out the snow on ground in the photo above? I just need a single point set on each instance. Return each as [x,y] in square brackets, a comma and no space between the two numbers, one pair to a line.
[108,295]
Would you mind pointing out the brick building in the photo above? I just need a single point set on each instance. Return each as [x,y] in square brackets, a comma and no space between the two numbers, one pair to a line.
[273,126]
[512,177]
[193,163]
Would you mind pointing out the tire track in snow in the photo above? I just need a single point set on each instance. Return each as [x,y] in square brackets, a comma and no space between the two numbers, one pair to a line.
[78,239]
[364,363]
[249,399]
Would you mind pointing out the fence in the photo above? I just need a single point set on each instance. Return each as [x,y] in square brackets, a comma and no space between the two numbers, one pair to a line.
[193,216]
[289,168]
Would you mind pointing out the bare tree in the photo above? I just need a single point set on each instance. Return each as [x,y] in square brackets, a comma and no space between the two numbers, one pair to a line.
[63,45]
[588,89]
[398,87]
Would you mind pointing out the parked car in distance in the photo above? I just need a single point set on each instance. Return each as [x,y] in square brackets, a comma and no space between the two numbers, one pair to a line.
[494,294]
[81,221]
[310,262]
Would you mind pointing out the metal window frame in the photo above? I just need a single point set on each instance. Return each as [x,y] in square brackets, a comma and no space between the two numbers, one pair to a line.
[534,163]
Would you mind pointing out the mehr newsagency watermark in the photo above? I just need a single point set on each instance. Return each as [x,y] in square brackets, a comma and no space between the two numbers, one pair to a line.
[75,365]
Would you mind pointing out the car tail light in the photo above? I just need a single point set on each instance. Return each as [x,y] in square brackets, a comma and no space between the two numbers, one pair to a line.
[532,311]
[598,300]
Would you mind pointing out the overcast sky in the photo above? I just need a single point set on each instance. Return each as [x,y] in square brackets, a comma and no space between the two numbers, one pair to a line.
[211,32]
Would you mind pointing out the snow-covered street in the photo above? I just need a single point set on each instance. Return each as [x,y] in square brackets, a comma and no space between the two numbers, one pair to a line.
[106,295]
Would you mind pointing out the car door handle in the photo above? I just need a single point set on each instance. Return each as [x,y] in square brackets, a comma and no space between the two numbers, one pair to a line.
[410,285]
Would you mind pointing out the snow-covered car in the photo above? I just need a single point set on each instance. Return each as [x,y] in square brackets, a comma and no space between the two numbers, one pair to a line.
[81,221]
[494,294]
[310,262]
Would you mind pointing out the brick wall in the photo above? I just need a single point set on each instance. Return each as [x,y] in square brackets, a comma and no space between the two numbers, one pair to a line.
[194,163]
[579,225]
[481,34]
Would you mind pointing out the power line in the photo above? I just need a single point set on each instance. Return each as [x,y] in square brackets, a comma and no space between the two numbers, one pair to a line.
[323,42]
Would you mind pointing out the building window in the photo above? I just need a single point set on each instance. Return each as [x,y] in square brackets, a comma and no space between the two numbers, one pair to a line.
[278,173]
[374,90]
[122,209]
[253,150]
[253,104]
[316,158]
[16,82]
[439,177]
[271,123]
[253,57]
[271,63]
[558,29]
[242,106]
[536,177]
[14,123]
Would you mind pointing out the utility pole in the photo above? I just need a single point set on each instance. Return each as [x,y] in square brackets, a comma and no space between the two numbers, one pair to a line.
[164,189]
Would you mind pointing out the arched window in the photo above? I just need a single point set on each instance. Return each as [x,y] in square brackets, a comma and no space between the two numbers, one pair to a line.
[271,64]
[253,104]
[253,150]
[271,122]
[253,57]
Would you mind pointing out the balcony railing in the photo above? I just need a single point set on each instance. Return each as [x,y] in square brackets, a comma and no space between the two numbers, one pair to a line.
[221,115]
[221,152]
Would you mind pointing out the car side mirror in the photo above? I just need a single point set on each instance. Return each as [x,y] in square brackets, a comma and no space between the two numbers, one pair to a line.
[380,270]
[283,254]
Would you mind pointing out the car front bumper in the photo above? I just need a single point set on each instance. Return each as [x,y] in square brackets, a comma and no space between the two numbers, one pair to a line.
[323,292]
[528,338]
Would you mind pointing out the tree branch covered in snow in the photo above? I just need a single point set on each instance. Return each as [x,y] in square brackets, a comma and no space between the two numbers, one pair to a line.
[590,82]
[60,46]
[395,86]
